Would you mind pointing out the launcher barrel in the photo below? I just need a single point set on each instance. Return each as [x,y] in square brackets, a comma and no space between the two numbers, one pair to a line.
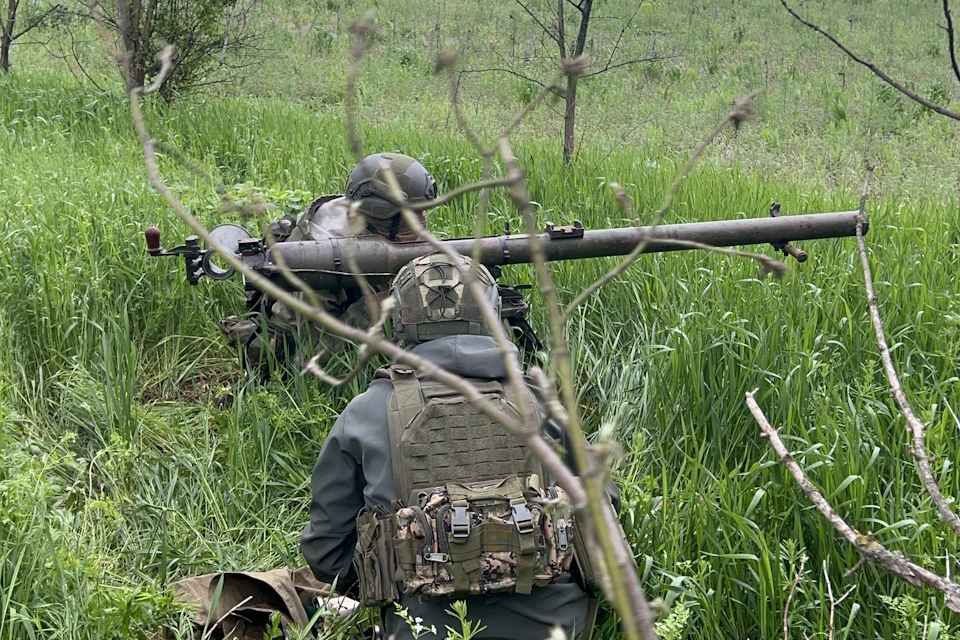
[325,264]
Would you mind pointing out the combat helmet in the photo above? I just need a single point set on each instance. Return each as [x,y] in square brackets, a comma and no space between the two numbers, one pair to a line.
[432,300]
[367,186]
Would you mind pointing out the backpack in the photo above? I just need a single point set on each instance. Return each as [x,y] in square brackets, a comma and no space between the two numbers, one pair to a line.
[475,514]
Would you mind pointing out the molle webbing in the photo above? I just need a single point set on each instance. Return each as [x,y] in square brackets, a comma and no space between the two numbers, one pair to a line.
[439,437]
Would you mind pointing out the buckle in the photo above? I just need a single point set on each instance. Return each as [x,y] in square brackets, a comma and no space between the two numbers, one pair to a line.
[437,557]
[562,540]
[522,518]
[460,522]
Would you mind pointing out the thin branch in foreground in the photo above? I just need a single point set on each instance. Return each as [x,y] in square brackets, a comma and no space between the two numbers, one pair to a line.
[874,68]
[917,429]
[614,555]
[893,562]
[741,111]
[793,588]
[360,28]
[833,602]
[166,64]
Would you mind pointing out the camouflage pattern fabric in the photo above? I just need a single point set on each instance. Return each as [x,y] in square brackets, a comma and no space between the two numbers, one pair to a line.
[288,336]
[433,560]
[433,299]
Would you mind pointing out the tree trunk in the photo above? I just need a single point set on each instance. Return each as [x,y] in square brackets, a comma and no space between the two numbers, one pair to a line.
[569,117]
[6,38]
[570,114]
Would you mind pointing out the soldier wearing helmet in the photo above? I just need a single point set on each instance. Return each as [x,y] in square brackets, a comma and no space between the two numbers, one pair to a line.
[401,484]
[368,193]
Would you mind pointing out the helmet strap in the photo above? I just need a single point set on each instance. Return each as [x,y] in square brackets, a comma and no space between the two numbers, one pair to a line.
[394,228]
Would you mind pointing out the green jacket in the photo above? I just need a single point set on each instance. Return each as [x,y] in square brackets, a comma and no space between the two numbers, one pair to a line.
[354,469]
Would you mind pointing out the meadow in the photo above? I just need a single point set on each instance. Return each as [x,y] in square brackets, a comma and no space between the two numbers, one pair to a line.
[121,471]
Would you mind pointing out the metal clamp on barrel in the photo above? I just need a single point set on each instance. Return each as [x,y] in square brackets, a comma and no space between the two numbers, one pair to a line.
[574,230]
[783,245]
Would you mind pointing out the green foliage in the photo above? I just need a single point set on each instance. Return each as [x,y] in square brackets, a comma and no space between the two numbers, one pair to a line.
[134,453]
[416,625]
[467,629]
[674,626]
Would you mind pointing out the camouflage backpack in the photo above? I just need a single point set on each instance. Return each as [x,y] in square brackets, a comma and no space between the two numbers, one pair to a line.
[473,515]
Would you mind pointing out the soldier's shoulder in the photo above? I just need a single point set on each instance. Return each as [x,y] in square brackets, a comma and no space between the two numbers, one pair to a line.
[372,403]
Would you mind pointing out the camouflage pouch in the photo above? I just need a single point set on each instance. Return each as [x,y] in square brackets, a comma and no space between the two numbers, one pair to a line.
[374,558]
[472,539]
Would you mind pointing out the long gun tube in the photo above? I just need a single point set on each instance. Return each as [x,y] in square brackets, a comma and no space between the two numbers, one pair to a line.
[324,264]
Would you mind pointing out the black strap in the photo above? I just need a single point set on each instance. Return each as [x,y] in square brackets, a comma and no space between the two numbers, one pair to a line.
[337,262]
[394,228]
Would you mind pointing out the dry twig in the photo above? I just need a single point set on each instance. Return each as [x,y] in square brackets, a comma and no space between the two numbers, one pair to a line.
[880,73]
[833,602]
[793,588]
[917,429]
[740,112]
[893,562]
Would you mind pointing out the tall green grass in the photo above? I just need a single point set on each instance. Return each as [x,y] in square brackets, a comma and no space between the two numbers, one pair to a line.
[120,471]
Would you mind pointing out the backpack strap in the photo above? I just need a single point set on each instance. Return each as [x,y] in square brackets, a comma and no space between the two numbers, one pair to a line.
[405,402]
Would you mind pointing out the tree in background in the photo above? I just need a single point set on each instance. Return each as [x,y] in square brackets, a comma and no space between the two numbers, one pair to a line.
[16,26]
[567,25]
[211,40]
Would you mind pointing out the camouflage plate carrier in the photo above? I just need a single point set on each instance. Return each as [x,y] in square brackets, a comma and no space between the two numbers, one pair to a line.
[473,517]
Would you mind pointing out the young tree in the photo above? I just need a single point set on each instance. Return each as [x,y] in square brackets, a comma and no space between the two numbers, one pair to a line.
[210,39]
[568,27]
[16,26]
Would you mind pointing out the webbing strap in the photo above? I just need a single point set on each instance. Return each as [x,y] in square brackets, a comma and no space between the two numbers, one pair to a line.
[405,402]
[507,489]
[465,562]
[437,390]
[526,559]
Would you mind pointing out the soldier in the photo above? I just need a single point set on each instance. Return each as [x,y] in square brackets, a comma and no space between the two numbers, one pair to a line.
[419,499]
[329,216]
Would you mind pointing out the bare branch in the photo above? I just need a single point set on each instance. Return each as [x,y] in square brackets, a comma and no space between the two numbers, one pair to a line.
[614,555]
[833,603]
[875,69]
[625,63]
[449,60]
[458,192]
[893,562]
[363,355]
[852,570]
[36,22]
[546,29]
[950,39]
[506,70]
[360,28]
[793,587]
[626,25]
[166,57]
[741,110]
[917,429]
[533,104]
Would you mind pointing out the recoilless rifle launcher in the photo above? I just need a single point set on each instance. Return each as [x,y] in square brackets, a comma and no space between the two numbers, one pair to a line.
[324,264]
